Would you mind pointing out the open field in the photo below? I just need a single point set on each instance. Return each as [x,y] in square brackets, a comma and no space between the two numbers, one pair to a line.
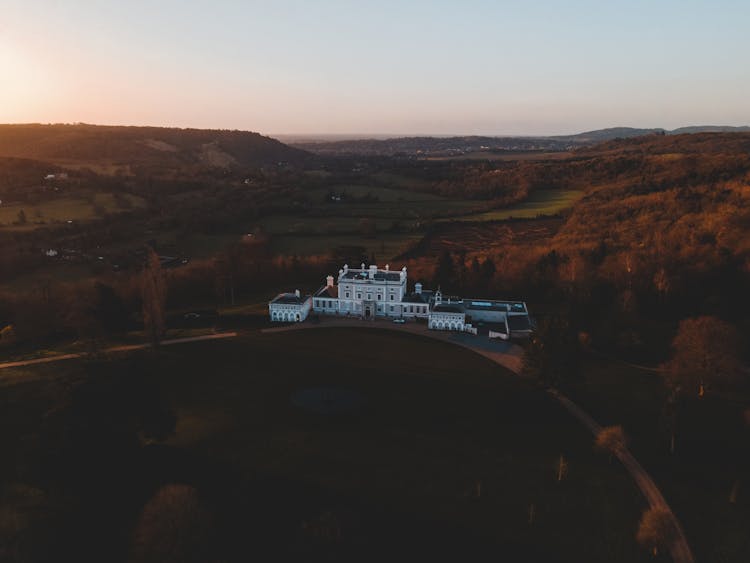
[63,209]
[382,194]
[507,156]
[540,202]
[427,452]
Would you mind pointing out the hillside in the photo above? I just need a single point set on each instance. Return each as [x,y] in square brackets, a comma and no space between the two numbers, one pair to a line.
[459,145]
[82,144]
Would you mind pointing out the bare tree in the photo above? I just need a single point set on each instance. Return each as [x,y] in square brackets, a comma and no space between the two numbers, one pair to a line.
[611,439]
[153,292]
[656,530]
[706,352]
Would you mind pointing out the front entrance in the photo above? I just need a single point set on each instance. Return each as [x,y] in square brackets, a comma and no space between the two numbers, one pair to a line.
[368,311]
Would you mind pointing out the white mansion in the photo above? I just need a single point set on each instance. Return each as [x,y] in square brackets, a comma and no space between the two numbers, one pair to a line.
[371,292]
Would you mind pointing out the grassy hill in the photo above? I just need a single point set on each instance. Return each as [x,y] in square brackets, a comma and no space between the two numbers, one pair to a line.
[168,147]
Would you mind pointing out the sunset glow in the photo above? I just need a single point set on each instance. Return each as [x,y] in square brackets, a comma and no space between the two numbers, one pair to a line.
[376,67]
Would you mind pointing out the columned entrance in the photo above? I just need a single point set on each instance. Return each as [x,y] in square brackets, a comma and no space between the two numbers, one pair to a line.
[368,309]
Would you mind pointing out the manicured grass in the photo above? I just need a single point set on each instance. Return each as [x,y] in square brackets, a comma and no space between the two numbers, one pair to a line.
[540,202]
[399,475]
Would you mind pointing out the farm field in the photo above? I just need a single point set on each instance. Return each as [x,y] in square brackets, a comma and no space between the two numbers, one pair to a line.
[452,449]
[63,209]
[540,202]
[507,156]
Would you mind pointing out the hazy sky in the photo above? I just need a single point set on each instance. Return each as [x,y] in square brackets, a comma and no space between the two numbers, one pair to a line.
[400,67]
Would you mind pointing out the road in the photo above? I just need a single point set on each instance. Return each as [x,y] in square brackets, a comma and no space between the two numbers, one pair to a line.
[113,349]
[509,356]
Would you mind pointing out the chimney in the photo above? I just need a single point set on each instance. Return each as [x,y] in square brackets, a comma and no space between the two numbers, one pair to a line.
[373,271]
[329,281]
[296,292]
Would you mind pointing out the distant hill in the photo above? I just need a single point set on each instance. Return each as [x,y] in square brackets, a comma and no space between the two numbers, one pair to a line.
[710,129]
[452,146]
[146,146]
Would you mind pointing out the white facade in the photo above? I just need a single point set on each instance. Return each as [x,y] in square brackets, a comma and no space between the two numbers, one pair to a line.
[367,293]
[371,292]
[447,320]
[290,307]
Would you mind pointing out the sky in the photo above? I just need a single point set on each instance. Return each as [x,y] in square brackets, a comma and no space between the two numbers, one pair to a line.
[377,67]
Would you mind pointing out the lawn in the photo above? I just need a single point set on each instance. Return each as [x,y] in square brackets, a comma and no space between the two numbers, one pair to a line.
[442,456]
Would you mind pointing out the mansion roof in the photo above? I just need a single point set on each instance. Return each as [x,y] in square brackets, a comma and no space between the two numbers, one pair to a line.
[329,291]
[290,299]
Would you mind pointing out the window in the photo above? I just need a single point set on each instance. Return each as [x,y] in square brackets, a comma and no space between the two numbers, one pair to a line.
[369,296]
[347,295]
[380,297]
[359,296]
[391,308]
[391,297]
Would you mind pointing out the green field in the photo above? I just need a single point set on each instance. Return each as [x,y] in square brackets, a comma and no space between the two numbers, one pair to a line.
[63,209]
[540,202]
[381,193]
[442,456]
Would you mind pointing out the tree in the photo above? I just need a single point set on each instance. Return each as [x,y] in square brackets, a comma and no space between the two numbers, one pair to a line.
[488,269]
[656,530]
[445,271]
[553,354]
[173,527]
[705,353]
[109,310]
[153,293]
[611,439]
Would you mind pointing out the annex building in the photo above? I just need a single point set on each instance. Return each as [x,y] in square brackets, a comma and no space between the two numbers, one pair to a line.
[371,292]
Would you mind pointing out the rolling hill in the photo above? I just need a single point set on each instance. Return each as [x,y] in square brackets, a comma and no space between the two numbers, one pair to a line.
[82,144]
[456,145]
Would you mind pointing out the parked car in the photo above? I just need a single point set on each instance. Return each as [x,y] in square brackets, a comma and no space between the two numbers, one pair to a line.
[399,321]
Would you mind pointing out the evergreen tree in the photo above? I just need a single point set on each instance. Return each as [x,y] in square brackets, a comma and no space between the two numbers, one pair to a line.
[445,272]
[553,354]
[154,296]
